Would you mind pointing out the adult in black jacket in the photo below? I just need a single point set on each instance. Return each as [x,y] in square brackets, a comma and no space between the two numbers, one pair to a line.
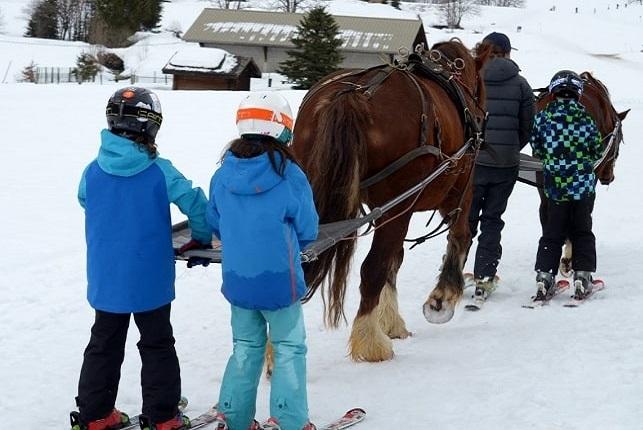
[510,105]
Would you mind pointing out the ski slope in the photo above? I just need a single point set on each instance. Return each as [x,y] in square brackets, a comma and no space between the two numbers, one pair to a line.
[501,368]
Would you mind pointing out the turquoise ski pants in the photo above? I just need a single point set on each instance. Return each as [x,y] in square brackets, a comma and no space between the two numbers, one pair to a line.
[288,399]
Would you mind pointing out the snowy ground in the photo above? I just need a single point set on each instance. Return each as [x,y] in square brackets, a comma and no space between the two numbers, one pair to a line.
[504,367]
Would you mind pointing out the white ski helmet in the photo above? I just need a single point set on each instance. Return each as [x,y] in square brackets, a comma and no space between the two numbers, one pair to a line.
[265,114]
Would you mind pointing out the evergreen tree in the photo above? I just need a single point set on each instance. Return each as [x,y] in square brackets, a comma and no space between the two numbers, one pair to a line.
[135,15]
[116,20]
[316,51]
[43,21]
[87,67]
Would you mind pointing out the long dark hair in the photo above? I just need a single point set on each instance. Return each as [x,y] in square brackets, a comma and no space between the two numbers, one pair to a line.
[249,147]
[144,142]
[148,144]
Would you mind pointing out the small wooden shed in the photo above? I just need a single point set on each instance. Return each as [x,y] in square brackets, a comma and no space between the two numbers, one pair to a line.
[197,68]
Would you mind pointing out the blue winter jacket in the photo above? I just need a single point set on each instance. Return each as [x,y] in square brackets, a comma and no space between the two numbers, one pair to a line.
[126,197]
[263,220]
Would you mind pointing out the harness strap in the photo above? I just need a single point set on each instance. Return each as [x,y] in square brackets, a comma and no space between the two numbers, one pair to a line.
[399,163]
[336,78]
[613,139]
[425,108]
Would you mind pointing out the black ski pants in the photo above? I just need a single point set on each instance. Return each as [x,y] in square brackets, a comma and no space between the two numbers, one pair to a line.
[101,370]
[573,218]
[492,187]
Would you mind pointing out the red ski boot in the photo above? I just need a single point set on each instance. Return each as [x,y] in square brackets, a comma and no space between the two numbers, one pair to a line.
[115,420]
[179,422]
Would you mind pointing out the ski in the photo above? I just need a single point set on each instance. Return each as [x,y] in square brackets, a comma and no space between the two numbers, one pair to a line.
[561,286]
[573,302]
[209,417]
[349,419]
[476,303]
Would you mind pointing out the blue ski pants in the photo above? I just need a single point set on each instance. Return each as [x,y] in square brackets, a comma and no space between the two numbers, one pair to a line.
[288,399]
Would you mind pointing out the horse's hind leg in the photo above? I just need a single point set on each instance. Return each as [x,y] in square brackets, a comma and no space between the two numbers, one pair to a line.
[387,310]
[566,260]
[440,306]
[373,325]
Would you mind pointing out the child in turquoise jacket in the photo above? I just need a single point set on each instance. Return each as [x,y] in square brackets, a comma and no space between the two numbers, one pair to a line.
[261,207]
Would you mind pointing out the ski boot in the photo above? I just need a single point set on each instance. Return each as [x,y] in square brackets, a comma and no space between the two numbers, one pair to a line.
[546,287]
[220,423]
[484,287]
[115,420]
[271,424]
[179,422]
[583,284]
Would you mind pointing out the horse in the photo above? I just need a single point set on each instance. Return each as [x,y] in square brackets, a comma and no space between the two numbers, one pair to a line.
[596,99]
[351,128]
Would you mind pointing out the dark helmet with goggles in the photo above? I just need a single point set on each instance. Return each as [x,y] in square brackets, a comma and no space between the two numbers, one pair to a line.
[566,84]
[134,110]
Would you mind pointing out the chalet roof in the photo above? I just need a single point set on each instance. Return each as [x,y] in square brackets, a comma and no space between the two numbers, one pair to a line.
[211,61]
[265,28]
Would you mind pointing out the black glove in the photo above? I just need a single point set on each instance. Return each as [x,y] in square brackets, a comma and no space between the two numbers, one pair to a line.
[195,261]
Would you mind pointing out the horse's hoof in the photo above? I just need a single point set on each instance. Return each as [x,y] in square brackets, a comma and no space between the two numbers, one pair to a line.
[437,314]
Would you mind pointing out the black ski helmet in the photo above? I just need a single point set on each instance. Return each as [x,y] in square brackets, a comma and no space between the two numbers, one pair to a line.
[134,110]
[566,83]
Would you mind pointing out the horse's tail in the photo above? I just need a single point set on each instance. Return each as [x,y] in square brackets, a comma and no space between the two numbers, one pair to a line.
[336,162]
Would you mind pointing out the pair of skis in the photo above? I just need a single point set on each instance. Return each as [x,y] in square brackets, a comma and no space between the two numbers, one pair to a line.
[562,286]
[209,419]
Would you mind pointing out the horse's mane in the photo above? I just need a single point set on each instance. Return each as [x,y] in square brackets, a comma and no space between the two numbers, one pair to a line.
[452,48]
[589,78]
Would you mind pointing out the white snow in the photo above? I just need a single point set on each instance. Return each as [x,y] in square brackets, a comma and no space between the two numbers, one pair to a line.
[502,368]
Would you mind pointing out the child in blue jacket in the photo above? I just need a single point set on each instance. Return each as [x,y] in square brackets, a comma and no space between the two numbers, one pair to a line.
[261,207]
[126,192]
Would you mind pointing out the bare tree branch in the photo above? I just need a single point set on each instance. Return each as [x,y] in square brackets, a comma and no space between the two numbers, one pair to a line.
[453,11]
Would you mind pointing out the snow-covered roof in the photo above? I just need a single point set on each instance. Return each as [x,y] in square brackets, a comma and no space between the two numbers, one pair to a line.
[194,58]
[264,28]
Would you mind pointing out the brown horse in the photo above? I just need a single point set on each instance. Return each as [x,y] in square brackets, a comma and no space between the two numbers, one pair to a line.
[596,99]
[350,127]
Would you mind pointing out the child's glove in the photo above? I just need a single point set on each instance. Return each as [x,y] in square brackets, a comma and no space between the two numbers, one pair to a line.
[195,261]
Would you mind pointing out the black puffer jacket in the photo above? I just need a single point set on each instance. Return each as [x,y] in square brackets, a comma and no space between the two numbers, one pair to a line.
[510,103]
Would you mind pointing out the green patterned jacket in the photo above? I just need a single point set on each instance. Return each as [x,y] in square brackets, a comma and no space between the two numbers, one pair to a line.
[567,140]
